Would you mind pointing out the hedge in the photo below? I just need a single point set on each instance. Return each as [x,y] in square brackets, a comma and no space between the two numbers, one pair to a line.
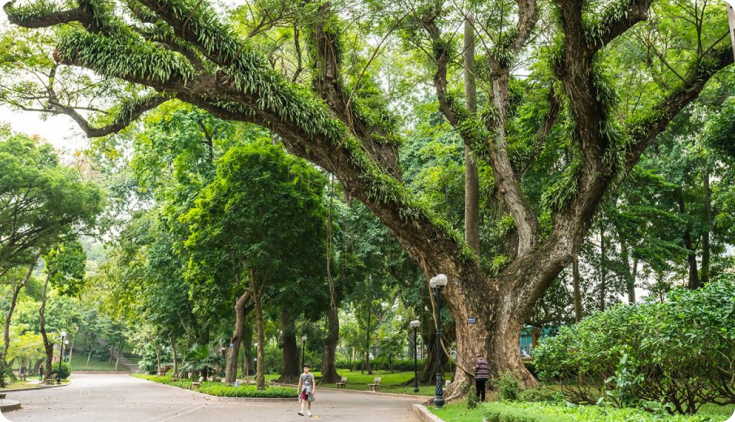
[224,390]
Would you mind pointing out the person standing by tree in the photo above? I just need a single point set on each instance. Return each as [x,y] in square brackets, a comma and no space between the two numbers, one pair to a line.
[482,373]
[40,373]
[306,389]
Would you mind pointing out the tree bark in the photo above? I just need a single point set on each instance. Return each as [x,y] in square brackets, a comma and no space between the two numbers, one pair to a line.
[175,369]
[260,324]
[688,244]
[331,340]
[367,343]
[707,227]
[290,349]
[577,290]
[8,318]
[603,267]
[234,352]
[472,182]
[48,347]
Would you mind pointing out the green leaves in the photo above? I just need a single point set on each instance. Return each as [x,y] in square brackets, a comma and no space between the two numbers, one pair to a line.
[678,346]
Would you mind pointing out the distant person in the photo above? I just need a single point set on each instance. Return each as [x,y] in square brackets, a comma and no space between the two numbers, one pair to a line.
[22,373]
[306,389]
[40,373]
[482,373]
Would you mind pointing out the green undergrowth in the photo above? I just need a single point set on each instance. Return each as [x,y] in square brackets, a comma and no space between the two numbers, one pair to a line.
[224,390]
[547,412]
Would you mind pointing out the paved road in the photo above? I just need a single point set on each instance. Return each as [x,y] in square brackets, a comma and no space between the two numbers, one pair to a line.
[113,398]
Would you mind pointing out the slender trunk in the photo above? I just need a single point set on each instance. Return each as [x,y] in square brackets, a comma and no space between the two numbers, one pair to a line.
[71,348]
[603,268]
[290,349]
[119,351]
[247,345]
[91,349]
[236,339]
[8,318]
[688,244]
[629,272]
[329,356]
[472,183]
[175,369]
[707,229]
[367,345]
[158,358]
[48,347]
[577,290]
[260,371]
[331,339]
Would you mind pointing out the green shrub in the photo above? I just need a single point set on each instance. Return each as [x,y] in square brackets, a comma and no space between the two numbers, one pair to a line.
[508,387]
[65,370]
[471,397]
[630,354]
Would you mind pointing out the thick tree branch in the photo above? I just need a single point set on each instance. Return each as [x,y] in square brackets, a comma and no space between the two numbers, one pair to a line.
[645,131]
[28,18]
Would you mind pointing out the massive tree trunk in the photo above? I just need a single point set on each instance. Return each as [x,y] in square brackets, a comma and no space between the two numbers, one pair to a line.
[329,367]
[234,351]
[291,365]
[688,243]
[9,317]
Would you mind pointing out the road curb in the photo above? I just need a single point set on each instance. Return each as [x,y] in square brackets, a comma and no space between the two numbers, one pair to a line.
[372,393]
[9,405]
[223,399]
[424,414]
[46,387]
[104,372]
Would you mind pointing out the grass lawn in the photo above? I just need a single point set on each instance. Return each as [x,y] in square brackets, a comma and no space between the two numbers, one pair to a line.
[216,388]
[458,412]
[79,363]
[390,382]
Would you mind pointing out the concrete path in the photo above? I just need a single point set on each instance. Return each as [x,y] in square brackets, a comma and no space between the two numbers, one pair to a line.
[113,398]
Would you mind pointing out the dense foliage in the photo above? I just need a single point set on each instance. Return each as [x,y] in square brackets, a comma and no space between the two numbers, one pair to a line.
[676,354]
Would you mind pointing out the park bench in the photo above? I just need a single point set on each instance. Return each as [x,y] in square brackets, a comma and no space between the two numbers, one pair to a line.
[342,383]
[375,385]
[50,381]
[198,384]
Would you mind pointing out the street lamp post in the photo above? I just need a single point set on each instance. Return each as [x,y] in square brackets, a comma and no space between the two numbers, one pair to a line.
[61,357]
[437,283]
[731,18]
[303,351]
[415,325]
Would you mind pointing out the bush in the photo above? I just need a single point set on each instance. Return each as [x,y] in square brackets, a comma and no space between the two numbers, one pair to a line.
[65,370]
[508,387]
[628,355]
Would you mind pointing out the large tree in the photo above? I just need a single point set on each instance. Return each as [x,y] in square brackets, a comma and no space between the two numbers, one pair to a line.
[340,120]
